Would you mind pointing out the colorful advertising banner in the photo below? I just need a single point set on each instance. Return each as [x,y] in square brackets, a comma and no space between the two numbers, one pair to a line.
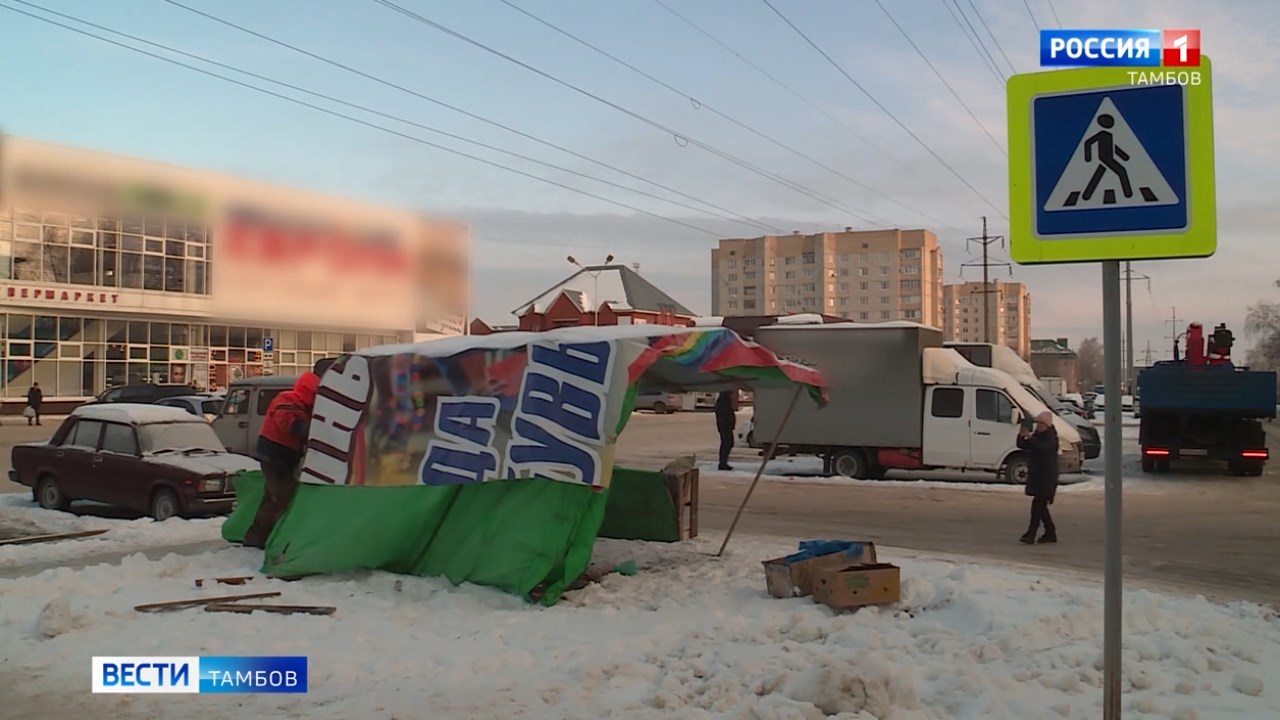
[511,406]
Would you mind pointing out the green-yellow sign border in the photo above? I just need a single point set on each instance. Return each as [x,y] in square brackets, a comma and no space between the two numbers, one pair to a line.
[1198,240]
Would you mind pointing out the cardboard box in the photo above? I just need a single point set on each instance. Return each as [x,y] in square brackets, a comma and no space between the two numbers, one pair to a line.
[858,585]
[792,576]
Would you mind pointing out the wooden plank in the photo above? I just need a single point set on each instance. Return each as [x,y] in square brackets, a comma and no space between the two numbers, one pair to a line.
[247,608]
[226,580]
[32,539]
[197,602]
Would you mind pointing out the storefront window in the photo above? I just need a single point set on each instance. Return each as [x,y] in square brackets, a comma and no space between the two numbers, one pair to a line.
[56,261]
[108,268]
[26,261]
[152,272]
[131,270]
[137,333]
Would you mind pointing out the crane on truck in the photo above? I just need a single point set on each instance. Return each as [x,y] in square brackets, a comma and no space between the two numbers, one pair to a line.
[1204,406]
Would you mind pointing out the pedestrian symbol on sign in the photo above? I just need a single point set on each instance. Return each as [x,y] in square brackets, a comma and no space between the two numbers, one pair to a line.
[1110,158]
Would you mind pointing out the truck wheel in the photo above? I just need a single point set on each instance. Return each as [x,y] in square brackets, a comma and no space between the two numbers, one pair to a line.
[851,464]
[751,439]
[1017,470]
[50,495]
[1162,466]
[1253,469]
[1148,465]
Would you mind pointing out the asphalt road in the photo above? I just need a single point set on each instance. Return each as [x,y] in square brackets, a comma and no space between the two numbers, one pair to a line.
[1200,533]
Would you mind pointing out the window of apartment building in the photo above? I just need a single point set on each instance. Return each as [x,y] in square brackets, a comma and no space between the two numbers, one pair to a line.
[844,257]
[911,254]
[773,262]
[862,286]
[749,275]
[884,284]
[884,314]
[733,263]
[748,304]
[911,314]
[910,269]
[884,269]
[844,272]
[844,315]
[749,290]
[733,277]
[863,300]
[862,257]
[910,299]
[733,304]
[910,284]
[884,299]
[808,258]
[884,257]
[862,316]
[791,289]
[748,262]
[831,302]
[733,292]
[772,275]
[809,272]
[789,275]
[811,287]
[844,302]
[862,272]
[790,260]
[844,287]
[792,302]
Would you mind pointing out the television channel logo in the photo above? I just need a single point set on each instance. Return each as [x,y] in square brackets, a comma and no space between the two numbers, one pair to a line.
[1120,48]
[212,674]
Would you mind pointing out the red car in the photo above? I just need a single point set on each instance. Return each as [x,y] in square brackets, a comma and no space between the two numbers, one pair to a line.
[162,461]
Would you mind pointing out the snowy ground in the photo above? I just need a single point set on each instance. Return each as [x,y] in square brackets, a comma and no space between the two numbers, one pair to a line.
[688,637]
[20,515]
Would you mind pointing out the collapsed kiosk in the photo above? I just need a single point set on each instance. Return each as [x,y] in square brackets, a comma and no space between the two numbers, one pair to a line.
[486,459]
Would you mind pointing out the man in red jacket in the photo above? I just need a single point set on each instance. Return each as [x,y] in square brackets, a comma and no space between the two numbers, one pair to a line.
[281,445]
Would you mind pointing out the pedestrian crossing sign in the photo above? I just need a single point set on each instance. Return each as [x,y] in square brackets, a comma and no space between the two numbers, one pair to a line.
[1103,169]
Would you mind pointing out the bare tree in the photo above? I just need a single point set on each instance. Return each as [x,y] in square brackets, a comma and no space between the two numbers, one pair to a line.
[1089,355]
[1263,322]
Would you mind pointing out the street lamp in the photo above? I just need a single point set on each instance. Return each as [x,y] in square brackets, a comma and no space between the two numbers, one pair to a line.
[595,285]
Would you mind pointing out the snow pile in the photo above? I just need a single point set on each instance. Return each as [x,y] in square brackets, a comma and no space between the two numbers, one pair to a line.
[20,515]
[808,469]
[690,636]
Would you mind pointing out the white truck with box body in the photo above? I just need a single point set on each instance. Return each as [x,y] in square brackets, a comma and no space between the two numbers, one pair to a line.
[899,400]
[1005,358]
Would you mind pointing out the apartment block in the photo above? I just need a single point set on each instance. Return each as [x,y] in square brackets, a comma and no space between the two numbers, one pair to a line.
[862,275]
[1008,307]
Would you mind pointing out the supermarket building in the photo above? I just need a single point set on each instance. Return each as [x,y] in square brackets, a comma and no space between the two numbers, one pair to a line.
[116,270]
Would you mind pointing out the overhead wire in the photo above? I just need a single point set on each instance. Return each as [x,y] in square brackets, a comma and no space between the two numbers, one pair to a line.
[877,147]
[994,39]
[974,38]
[703,105]
[1054,10]
[954,94]
[467,113]
[360,121]
[680,138]
[379,113]
[884,109]
[1027,5]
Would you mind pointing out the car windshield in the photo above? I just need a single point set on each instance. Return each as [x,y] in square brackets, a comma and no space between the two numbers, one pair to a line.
[178,436]
[211,407]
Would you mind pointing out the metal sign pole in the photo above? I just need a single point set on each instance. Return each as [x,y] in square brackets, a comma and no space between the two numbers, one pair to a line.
[1112,446]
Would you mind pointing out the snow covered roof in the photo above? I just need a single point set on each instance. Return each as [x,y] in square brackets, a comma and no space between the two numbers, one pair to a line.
[131,413]
[618,285]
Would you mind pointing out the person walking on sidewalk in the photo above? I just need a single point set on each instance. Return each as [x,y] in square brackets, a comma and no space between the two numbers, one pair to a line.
[1041,444]
[35,398]
[726,420]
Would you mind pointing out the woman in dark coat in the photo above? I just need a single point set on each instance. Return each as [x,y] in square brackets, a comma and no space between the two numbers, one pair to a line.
[1041,445]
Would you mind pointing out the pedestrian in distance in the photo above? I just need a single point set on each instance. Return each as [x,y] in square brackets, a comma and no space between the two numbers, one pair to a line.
[726,420]
[1041,444]
[35,398]
[281,449]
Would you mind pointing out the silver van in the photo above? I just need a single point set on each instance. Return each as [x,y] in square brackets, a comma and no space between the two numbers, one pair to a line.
[245,409]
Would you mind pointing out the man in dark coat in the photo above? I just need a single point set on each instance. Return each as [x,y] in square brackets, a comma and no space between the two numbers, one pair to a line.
[1041,445]
[35,398]
[726,406]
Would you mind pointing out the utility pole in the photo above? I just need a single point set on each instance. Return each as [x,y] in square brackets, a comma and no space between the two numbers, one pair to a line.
[986,241]
[1147,355]
[1173,326]
[1130,375]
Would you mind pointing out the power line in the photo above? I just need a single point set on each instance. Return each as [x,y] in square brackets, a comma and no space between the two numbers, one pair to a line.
[474,116]
[1054,10]
[366,123]
[993,36]
[987,290]
[794,93]
[1035,22]
[373,111]
[954,94]
[700,105]
[680,138]
[880,105]
[974,39]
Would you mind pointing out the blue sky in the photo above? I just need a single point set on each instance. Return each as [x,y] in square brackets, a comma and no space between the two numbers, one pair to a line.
[66,88]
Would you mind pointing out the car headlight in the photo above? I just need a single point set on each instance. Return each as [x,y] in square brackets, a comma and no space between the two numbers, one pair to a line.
[211,485]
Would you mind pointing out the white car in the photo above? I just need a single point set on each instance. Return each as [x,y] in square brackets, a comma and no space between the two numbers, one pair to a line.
[745,434]
[203,405]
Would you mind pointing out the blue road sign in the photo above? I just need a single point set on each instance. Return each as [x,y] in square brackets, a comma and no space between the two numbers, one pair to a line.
[268,344]
[1111,162]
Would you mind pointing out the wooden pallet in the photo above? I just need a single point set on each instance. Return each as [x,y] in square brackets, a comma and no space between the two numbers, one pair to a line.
[683,488]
